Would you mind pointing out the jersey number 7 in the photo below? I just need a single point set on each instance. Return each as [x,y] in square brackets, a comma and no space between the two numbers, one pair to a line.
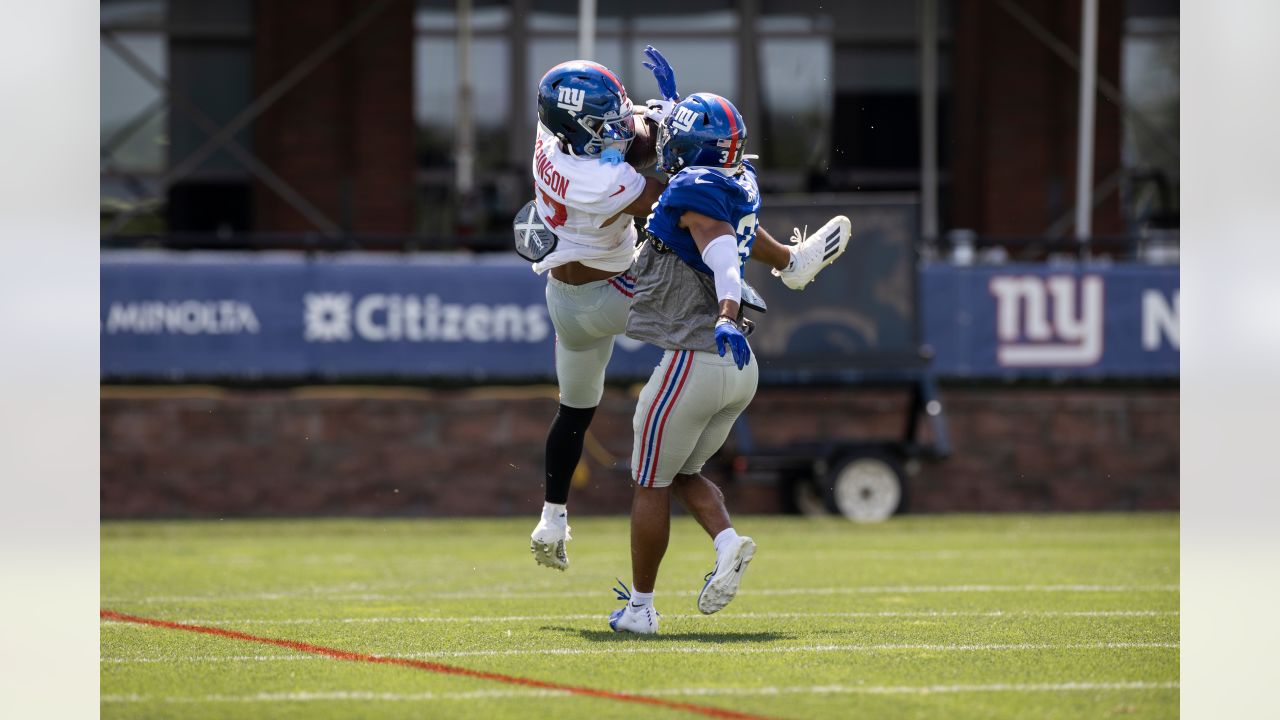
[560,213]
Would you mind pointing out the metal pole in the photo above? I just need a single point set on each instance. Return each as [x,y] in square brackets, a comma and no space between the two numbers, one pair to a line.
[748,93]
[1088,90]
[586,29]
[464,128]
[928,10]
[523,114]
[1106,88]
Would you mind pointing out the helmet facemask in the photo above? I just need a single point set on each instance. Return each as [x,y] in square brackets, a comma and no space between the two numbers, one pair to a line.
[611,130]
[675,164]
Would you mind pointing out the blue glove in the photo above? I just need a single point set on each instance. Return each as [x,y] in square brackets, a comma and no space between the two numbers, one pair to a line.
[727,333]
[662,72]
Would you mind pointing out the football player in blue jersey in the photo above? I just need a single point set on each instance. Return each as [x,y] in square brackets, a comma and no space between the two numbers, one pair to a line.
[688,301]
[585,241]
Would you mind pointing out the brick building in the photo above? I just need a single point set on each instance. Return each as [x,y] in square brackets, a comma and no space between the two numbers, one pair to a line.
[346,113]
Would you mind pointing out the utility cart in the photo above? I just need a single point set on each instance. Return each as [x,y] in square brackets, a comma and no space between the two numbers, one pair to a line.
[856,326]
[864,479]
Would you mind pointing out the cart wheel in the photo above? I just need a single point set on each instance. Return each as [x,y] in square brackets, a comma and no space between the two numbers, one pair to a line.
[867,487]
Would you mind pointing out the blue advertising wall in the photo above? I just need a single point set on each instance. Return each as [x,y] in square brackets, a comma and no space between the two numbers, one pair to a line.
[190,316]
[182,316]
[1010,321]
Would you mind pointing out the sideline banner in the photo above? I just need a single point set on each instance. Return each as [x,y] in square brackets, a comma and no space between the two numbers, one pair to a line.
[1011,321]
[289,316]
[278,315]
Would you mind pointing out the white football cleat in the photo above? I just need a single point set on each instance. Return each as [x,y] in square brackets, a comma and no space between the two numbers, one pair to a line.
[547,544]
[722,583]
[633,618]
[811,253]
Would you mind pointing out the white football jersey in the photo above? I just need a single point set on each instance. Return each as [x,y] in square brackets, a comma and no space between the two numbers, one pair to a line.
[575,197]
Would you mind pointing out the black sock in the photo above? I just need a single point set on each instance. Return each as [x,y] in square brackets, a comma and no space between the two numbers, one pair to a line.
[564,449]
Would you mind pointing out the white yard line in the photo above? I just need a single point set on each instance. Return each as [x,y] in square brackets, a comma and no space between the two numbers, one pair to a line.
[727,616]
[499,592]
[646,649]
[364,696]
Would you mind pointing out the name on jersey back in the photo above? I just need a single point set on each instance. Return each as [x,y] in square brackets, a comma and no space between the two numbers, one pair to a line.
[554,181]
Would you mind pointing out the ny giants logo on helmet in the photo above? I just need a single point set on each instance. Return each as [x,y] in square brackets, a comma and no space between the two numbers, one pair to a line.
[571,99]
[683,119]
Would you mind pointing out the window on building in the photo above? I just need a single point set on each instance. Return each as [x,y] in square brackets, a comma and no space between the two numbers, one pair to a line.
[168,70]
[702,65]
[796,77]
[133,113]
[1149,70]
[436,113]
[839,88]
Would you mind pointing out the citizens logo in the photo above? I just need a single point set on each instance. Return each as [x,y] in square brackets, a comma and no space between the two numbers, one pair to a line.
[182,317]
[1048,322]
[382,317]
[328,317]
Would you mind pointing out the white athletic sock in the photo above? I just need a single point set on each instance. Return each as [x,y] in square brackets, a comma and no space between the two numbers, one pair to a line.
[640,599]
[725,539]
[553,513]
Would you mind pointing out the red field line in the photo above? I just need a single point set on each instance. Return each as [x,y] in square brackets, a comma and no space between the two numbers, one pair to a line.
[337,654]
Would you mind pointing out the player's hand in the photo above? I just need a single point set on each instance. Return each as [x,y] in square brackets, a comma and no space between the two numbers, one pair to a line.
[728,334]
[662,72]
[658,110]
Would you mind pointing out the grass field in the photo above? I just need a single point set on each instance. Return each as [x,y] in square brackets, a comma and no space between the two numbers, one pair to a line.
[1058,616]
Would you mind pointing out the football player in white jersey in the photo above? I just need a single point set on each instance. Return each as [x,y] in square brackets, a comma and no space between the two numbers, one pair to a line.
[586,195]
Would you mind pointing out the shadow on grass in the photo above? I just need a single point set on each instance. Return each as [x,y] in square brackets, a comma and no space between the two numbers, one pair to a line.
[705,637]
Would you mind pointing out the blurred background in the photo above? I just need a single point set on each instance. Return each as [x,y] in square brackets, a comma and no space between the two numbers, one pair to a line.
[310,305]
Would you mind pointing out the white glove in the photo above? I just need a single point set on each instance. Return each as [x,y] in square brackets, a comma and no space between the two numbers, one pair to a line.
[658,110]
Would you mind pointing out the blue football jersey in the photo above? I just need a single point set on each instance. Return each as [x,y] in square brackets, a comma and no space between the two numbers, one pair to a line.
[735,200]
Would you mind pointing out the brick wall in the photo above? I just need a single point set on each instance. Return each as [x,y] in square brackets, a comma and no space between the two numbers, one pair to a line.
[1014,129]
[344,135]
[391,451]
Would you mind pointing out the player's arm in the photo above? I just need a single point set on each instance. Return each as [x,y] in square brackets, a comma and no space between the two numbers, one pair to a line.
[719,248]
[769,251]
[643,204]
[627,179]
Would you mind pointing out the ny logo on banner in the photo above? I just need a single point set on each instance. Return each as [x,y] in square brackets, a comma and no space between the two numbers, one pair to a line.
[1048,321]
[683,119]
[571,99]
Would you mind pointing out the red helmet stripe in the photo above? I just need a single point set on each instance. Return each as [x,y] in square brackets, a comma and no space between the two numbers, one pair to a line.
[733,130]
[610,75]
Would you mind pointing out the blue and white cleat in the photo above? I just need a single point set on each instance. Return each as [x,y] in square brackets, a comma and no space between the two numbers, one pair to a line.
[633,618]
[721,584]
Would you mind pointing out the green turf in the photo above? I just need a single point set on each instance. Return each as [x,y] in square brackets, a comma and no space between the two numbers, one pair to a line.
[1055,616]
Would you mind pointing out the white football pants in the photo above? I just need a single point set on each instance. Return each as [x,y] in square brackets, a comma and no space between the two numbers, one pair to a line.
[587,318]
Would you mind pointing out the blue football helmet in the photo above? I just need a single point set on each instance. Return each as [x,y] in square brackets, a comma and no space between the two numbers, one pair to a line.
[703,130]
[586,106]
